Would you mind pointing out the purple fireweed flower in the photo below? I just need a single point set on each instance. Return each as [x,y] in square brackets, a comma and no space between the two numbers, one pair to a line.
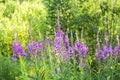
[35,47]
[30,48]
[23,54]
[83,49]
[97,54]
[66,41]
[77,46]
[102,54]
[105,48]
[17,48]
[108,49]
[57,48]
[105,53]
[68,53]
[81,64]
[58,41]
[117,49]
[14,58]
[70,49]
[41,45]
[47,41]
[59,33]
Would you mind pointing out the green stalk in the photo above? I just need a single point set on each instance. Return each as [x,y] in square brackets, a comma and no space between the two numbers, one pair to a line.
[23,68]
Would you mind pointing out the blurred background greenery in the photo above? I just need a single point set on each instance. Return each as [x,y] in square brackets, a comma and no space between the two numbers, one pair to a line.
[84,17]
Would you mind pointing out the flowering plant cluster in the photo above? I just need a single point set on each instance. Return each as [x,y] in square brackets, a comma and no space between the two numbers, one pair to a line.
[63,49]
[17,50]
[61,45]
[62,55]
[35,47]
[107,52]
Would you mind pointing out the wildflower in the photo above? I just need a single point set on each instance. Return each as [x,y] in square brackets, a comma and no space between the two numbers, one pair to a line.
[30,49]
[66,41]
[117,49]
[23,54]
[14,58]
[97,54]
[35,47]
[47,41]
[77,45]
[59,33]
[102,54]
[82,49]
[17,48]
[58,42]
[81,64]
[108,49]
[70,49]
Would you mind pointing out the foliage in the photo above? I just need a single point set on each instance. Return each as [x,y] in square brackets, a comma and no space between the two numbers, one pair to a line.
[15,16]
[8,69]
[92,30]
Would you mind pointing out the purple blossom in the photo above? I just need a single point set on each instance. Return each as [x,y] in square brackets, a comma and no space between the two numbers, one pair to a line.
[17,48]
[35,47]
[47,41]
[97,54]
[108,49]
[41,45]
[82,64]
[30,48]
[105,53]
[77,46]
[105,48]
[14,58]
[66,41]
[70,49]
[58,42]
[117,49]
[68,53]
[59,33]
[23,54]
[82,49]
[102,54]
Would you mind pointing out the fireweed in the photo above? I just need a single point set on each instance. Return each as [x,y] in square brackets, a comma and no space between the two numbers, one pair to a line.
[17,50]
[62,47]
[58,42]
[61,52]
[81,51]
[34,47]
[107,52]
[64,50]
